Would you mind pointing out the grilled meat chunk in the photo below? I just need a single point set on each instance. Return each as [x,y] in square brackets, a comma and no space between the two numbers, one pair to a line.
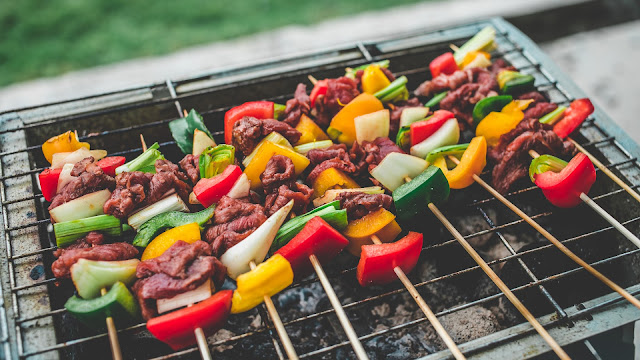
[444,82]
[248,132]
[137,189]
[190,165]
[371,153]
[280,186]
[340,91]
[511,155]
[234,220]
[183,267]
[89,178]
[300,104]
[359,204]
[462,100]
[84,250]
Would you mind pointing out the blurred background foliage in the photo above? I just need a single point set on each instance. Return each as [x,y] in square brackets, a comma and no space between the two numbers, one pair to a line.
[47,38]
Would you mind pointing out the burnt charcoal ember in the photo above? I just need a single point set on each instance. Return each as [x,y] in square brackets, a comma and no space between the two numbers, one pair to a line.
[280,186]
[137,189]
[359,204]
[190,165]
[181,268]
[296,107]
[233,221]
[89,178]
[248,131]
[340,91]
[108,252]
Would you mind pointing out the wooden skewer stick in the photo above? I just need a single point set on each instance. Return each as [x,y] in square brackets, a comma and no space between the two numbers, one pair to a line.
[184,113]
[342,316]
[312,79]
[453,47]
[113,334]
[615,287]
[201,339]
[425,308]
[606,170]
[500,284]
[282,333]
[602,212]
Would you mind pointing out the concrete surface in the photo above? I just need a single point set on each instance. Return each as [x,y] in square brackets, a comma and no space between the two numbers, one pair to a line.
[601,62]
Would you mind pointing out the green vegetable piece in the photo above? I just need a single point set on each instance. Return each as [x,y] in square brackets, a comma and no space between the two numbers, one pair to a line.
[330,212]
[544,163]
[481,41]
[182,130]
[411,198]
[435,100]
[171,219]
[69,231]
[489,104]
[454,150]
[519,84]
[214,160]
[395,89]
[118,303]
[403,139]
[278,110]
[145,162]
[90,276]
[553,116]
[333,133]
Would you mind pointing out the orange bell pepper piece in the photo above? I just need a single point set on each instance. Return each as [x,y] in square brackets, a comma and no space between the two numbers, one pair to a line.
[332,178]
[67,142]
[342,127]
[473,160]
[373,79]
[380,222]
[310,131]
[267,150]
[189,233]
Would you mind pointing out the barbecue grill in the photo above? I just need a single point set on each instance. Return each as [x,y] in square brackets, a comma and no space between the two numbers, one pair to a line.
[572,305]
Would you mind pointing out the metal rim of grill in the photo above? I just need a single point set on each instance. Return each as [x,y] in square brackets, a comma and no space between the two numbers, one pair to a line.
[598,134]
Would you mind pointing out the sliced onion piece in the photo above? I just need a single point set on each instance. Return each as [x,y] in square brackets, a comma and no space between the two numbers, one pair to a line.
[447,134]
[172,202]
[82,207]
[196,295]
[65,177]
[372,126]
[241,188]
[393,169]
[62,158]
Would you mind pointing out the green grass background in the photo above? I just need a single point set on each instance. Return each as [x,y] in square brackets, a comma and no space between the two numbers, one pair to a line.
[50,37]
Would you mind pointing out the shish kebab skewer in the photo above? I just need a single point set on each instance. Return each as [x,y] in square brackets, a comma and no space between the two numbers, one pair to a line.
[432,186]
[273,313]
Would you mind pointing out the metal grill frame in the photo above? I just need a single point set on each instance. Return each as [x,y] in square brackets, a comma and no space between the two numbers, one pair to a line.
[589,318]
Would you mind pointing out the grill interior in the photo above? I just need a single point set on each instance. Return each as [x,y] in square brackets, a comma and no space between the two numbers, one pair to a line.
[388,322]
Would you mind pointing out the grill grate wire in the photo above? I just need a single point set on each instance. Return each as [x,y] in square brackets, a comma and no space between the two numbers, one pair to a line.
[24,321]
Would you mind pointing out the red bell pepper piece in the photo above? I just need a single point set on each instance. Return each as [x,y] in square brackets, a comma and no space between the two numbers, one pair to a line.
[256,109]
[109,164]
[563,188]
[320,88]
[49,182]
[577,112]
[317,238]
[378,261]
[423,129]
[177,328]
[443,64]
[209,191]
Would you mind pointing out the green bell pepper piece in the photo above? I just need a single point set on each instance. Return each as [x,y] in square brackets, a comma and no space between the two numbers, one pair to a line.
[489,104]
[403,139]
[435,100]
[393,90]
[117,303]
[214,160]
[454,150]
[513,82]
[171,219]
[411,198]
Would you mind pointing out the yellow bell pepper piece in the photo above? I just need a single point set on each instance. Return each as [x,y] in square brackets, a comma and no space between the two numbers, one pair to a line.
[380,222]
[310,131]
[332,178]
[374,80]
[472,56]
[189,233]
[67,142]
[342,127]
[267,279]
[260,160]
[472,162]
[496,124]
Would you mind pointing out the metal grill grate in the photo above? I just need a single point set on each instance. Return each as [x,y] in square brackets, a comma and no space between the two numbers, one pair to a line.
[36,325]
